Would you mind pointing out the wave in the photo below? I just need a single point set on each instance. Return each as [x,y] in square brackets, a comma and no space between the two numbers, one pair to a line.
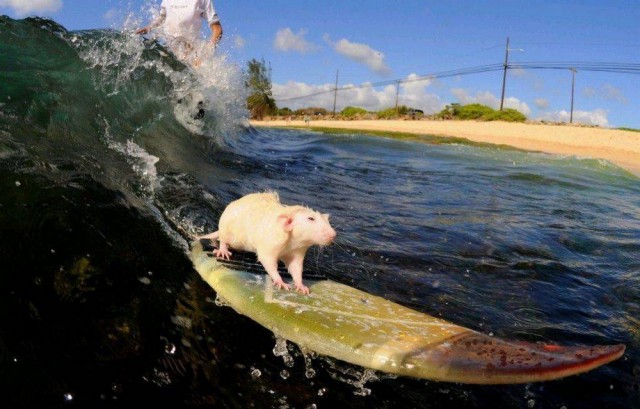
[111,103]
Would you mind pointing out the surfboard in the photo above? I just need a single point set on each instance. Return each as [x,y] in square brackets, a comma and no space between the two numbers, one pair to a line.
[348,324]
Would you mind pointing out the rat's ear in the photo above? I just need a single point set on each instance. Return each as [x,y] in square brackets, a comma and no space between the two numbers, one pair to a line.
[286,221]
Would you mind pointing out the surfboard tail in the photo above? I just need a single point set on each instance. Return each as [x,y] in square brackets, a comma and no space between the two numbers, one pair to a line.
[476,358]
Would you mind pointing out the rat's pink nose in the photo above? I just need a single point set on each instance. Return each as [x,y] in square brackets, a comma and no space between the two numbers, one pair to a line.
[331,235]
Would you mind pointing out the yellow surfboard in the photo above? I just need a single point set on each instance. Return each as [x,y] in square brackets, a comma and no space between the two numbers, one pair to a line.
[350,325]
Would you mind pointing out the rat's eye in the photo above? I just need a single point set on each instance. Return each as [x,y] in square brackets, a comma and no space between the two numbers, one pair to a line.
[313,219]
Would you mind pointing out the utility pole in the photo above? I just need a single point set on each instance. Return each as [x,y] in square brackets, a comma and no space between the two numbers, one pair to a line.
[573,86]
[506,67]
[504,76]
[335,94]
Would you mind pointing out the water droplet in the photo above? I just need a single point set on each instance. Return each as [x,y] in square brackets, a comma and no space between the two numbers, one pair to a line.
[18,184]
[255,373]
[68,397]
[181,321]
[310,373]
[144,280]
[362,392]
[322,391]
[284,374]
[281,350]
[531,403]
[170,349]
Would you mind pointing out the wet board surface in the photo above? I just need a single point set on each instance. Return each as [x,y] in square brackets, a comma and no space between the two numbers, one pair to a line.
[350,325]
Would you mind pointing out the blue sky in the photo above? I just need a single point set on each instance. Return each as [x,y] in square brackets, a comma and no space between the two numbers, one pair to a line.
[369,42]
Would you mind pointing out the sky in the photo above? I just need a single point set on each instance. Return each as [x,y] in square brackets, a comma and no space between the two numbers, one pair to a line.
[418,52]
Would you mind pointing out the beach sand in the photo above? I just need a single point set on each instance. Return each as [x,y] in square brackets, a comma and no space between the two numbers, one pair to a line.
[617,146]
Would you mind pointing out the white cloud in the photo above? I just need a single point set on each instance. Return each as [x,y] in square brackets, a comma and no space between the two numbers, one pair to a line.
[596,117]
[589,92]
[24,7]
[518,72]
[363,97]
[487,98]
[607,92]
[361,53]
[413,94]
[287,40]
[541,103]
[527,77]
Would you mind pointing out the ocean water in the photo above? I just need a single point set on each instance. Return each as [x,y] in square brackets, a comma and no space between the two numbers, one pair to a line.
[105,175]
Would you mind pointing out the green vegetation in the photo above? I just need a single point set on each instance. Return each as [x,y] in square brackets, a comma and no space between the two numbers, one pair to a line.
[310,111]
[508,115]
[480,112]
[260,101]
[284,111]
[351,112]
[628,129]
[391,113]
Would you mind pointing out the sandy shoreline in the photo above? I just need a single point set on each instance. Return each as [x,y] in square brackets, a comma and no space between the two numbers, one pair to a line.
[617,146]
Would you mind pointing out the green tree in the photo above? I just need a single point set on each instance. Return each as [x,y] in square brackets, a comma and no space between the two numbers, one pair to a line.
[286,111]
[260,101]
[351,112]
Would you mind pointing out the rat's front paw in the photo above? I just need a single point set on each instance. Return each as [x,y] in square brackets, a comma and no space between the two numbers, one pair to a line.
[281,284]
[302,289]
[223,254]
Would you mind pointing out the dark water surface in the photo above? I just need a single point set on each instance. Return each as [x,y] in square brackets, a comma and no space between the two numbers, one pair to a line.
[104,175]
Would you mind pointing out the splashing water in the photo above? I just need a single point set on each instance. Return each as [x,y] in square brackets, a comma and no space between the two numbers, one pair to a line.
[281,349]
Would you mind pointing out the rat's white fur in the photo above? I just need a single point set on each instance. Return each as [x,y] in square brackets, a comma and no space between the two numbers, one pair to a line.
[259,223]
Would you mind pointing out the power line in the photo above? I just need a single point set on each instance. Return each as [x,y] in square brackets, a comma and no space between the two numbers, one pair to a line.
[426,77]
[594,66]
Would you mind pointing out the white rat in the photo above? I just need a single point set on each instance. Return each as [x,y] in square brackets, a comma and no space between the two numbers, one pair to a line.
[259,223]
